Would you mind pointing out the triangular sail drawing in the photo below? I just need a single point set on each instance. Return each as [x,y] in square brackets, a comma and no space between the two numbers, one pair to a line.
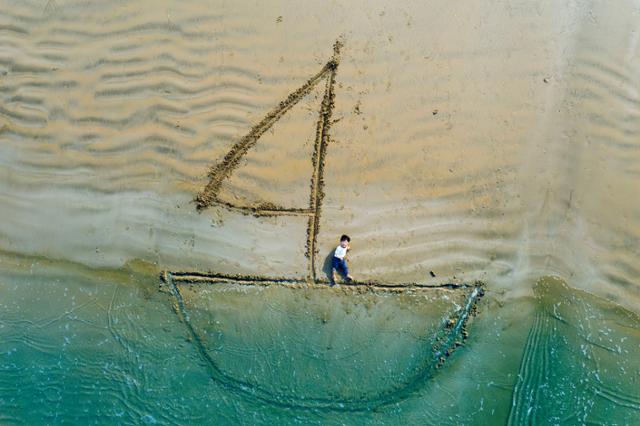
[223,170]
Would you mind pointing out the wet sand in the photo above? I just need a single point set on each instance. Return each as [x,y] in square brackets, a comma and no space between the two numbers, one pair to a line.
[494,142]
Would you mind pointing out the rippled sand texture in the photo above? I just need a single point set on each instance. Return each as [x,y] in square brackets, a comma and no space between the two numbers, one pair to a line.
[496,141]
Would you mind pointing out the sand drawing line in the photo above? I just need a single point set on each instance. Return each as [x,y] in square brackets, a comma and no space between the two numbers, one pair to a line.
[449,336]
[319,153]
[261,210]
[221,171]
[258,280]
[225,168]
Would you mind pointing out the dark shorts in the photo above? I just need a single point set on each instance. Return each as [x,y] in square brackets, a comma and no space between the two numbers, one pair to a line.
[340,265]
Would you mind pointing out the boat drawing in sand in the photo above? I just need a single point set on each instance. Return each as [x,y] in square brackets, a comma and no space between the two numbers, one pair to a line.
[452,330]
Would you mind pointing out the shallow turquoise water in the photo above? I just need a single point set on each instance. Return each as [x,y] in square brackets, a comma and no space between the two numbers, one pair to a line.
[106,347]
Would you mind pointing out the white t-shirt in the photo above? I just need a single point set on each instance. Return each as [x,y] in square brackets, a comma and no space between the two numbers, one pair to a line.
[340,252]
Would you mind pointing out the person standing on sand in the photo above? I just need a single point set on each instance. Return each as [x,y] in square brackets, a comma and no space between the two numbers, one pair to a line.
[339,261]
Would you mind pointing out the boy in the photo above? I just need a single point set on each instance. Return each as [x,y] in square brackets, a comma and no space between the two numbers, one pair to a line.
[339,263]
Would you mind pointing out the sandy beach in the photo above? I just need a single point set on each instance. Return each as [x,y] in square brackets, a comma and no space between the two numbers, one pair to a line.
[494,142]
[489,142]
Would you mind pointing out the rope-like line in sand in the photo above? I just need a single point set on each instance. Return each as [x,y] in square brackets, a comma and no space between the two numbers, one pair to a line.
[447,338]
[221,171]
[453,330]
[259,280]
[319,152]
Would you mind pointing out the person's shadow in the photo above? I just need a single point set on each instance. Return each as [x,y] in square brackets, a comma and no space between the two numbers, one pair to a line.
[327,266]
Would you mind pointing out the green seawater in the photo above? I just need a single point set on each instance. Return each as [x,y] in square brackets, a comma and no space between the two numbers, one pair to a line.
[83,346]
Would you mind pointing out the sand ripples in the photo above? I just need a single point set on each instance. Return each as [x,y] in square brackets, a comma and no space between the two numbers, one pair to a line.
[130,88]
[471,156]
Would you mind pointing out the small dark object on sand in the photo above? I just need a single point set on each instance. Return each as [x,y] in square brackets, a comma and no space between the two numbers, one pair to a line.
[432,274]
